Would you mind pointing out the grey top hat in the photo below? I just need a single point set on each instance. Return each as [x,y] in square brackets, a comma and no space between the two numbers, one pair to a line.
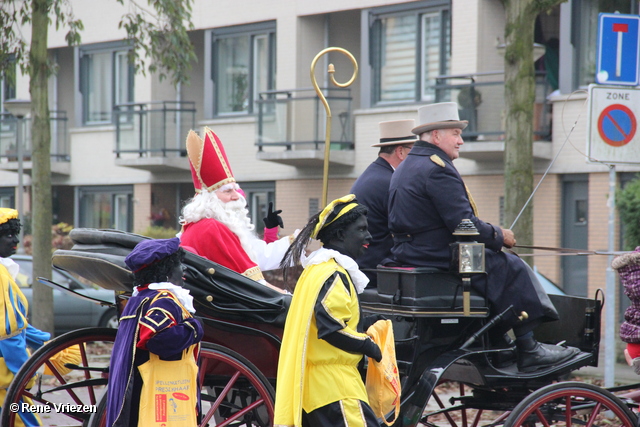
[396,132]
[443,115]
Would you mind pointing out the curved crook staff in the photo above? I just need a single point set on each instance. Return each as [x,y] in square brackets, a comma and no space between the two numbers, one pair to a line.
[331,70]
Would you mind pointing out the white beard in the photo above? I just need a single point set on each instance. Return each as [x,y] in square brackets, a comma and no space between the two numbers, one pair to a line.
[233,214]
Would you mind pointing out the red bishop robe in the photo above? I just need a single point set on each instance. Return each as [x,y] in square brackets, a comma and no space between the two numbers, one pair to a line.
[213,240]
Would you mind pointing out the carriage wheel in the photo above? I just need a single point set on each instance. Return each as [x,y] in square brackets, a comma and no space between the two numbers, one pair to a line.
[234,391]
[571,404]
[446,408]
[62,392]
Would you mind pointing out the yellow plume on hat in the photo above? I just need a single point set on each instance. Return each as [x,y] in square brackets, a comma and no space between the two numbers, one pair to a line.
[333,211]
[6,214]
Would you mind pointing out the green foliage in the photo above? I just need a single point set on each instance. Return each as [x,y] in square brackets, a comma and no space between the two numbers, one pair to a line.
[156,232]
[161,38]
[628,203]
[16,13]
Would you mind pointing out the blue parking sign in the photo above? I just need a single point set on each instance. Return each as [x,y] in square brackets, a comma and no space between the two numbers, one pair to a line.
[618,49]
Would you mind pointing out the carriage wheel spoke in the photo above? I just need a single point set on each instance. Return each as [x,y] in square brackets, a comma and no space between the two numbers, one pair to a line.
[568,411]
[223,394]
[594,414]
[463,411]
[476,419]
[542,418]
[241,413]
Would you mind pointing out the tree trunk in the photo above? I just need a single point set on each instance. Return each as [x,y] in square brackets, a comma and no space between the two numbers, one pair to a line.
[42,310]
[519,85]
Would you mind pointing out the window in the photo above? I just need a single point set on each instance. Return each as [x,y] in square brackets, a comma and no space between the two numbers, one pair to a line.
[243,65]
[106,79]
[584,31]
[7,197]
[7,87]
[410,47]
[106,207]
[258,196]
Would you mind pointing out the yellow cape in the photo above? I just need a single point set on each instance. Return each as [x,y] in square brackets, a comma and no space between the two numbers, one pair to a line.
[298,345]
[13,319]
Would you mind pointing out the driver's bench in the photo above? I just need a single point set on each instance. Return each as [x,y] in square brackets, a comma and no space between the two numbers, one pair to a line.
[420,292]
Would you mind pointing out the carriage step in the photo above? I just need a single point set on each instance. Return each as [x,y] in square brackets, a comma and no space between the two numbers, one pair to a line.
[511,372]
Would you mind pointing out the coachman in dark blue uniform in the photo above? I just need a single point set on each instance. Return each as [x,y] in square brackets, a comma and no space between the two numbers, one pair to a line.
[371,189]
[428,199]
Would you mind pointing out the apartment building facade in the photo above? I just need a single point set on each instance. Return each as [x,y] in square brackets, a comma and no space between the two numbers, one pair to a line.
[118,154]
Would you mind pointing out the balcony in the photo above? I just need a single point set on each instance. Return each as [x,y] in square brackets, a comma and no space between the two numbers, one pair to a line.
[480,97]
[8,143]
[292,125]
[150,136]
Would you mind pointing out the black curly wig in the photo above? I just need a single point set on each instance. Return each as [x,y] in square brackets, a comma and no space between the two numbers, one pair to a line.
[10,227]
[158,271]
[294,253]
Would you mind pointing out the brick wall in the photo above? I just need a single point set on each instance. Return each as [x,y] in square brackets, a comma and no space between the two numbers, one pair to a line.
[141,206]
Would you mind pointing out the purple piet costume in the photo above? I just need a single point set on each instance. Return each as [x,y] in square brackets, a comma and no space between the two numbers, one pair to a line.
[628,268]
[154,320]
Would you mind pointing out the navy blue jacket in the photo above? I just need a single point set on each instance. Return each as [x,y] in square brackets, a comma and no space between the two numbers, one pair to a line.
[427,200]
[371,190]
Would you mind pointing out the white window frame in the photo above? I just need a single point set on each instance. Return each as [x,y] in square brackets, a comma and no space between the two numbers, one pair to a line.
[370,76]
[116,50]
[258,31]
[118,194]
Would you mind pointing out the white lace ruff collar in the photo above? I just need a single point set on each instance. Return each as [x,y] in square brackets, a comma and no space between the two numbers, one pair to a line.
[11,266]
[181,293]
[360,280]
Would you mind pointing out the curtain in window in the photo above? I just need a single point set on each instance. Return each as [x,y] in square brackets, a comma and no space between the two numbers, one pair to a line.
[398,62]
[260,64]
[431,54]
[408,52]
[232,70]
[95,210]
[106,209]
[98,96]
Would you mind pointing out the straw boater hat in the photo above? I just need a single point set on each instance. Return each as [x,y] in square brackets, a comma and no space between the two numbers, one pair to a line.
[396,132]
[210,168]
[443,115]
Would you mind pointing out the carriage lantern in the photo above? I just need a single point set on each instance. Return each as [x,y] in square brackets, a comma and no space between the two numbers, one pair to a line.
[467,258]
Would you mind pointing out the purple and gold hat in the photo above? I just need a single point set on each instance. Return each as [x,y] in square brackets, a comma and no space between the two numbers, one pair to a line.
[149,252]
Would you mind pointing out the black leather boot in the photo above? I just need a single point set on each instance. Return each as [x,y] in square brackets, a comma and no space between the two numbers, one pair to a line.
[533,355]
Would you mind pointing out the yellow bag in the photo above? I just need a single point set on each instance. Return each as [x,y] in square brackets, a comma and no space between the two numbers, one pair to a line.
[169,391]
[383,380]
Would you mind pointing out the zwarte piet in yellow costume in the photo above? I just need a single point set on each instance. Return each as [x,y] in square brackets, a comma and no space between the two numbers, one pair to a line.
[15,333]
[318,379]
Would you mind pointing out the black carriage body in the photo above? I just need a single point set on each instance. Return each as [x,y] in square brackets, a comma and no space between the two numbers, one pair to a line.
[430,328]
[236,312]
[425,305]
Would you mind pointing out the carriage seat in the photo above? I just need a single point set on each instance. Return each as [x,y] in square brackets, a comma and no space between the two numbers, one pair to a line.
[421,291]
[98,255]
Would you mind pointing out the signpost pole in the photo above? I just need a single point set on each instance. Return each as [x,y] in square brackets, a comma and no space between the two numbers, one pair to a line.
[610,290]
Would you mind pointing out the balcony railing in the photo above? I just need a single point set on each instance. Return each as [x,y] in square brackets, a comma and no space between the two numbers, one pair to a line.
[8,137]
[480,97]
[296,119]
[153,129]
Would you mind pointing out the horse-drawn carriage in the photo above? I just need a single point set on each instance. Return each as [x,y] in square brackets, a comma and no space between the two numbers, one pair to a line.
[439,340]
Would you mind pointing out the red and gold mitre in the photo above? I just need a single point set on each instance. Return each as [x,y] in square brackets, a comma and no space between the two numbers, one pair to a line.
[210,168]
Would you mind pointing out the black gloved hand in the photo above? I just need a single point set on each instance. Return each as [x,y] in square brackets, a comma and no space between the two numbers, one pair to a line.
[273,218]
[370,320]
[373,351]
